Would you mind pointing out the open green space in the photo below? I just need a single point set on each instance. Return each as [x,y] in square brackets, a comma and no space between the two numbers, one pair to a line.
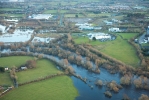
[9,62]
[5,79]
[14,60]
[73,15]
[119,48]
[128,35]
[44,68]
[58,88]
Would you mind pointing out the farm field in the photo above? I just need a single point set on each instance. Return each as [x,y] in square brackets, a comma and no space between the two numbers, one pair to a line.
[73,15]
[10,61]
[44,68]
[53,89]
[128,35]
[5,79]
[119,48]
[58,88]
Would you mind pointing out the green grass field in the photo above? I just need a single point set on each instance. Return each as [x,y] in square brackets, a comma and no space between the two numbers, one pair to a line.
[119,48]
[5,79]
[10,61]
[73,15]
[128,35]
[58,88]
[44,68]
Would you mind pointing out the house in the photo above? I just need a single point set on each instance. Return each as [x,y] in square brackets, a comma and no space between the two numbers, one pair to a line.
[23,68]
[114,30]
[85,26]
[40,16]
[108,23]
[6,69]
[99,36]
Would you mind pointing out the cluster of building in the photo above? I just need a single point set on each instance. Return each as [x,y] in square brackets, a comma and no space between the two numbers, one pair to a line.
[146,38]
[22,33]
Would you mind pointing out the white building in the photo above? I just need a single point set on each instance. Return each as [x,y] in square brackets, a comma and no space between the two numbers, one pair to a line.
[114,30]
[85,26]
[99,36]
[108,23]
[39,39]
[40,16]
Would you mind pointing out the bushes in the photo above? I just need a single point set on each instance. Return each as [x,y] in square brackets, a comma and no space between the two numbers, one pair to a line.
[31,64]
[144,97]
[114,86]
[99,83]
[2,69]
[141,82]
[125,80]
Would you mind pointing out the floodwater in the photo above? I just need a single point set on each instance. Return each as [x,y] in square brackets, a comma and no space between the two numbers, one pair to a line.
[97,93]
[89,91]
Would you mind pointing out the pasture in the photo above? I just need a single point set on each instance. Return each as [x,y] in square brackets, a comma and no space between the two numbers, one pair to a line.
[119,48]
[57,88]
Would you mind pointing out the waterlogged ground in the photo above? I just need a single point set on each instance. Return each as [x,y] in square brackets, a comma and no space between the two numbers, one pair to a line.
[97,93]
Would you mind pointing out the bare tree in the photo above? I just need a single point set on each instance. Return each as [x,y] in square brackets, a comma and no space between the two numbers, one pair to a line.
[144,97]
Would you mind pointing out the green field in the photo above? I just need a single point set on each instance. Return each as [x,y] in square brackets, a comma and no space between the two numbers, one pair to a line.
[58,88]
[44,68]
[73,15]
[5,79]
[10,61]
[119,48]
[128,35]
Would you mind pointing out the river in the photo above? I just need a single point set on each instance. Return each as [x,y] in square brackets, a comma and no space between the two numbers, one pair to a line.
[97,93]
[89,91]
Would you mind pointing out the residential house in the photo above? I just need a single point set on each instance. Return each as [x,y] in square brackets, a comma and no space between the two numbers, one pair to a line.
[85,26]
[99,36]
[114,30]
